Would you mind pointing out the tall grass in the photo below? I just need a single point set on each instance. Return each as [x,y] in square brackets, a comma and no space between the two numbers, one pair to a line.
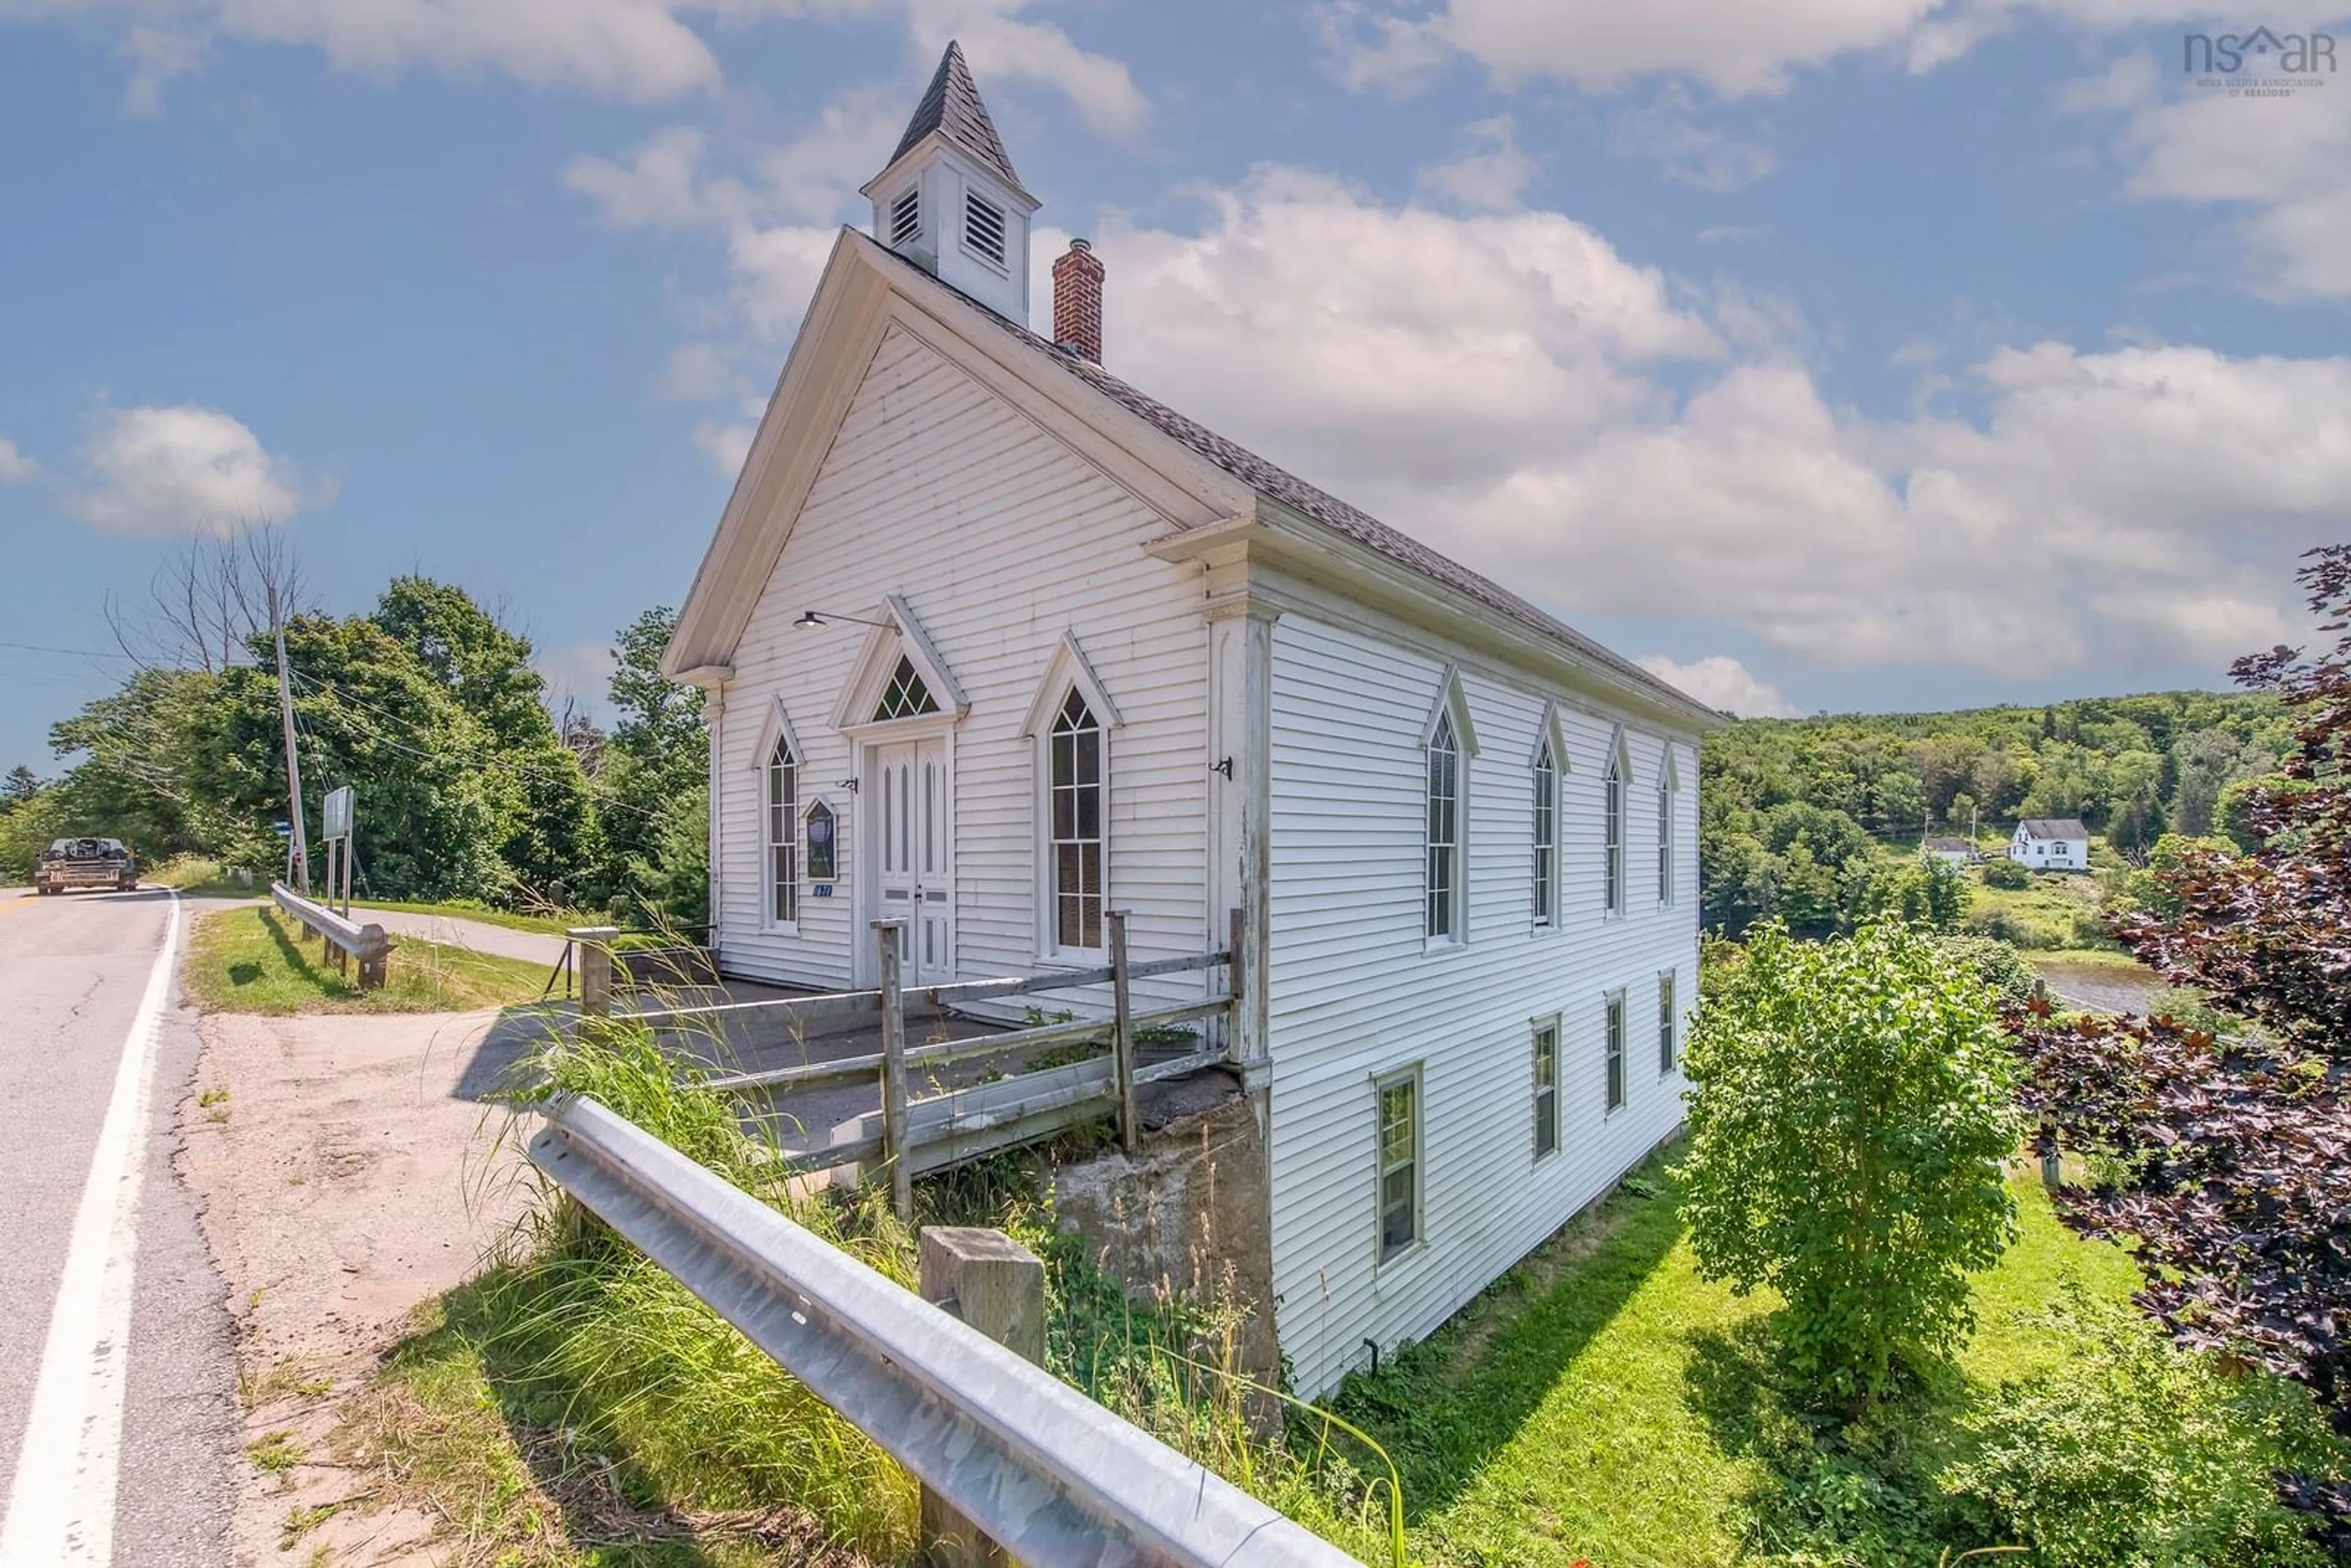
[600,1365]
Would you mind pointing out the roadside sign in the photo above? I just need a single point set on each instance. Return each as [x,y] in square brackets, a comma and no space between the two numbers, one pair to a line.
[337,824]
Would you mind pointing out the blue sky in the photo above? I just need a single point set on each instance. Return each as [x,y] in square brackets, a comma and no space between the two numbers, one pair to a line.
[1826,353]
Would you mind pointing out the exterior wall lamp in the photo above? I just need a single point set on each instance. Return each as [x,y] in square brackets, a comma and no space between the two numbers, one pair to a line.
[810,620]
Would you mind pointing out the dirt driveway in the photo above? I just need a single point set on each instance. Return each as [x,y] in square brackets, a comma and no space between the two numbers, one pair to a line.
[349,1170]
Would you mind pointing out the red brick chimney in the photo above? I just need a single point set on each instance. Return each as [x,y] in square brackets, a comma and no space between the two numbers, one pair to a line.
[1077,300]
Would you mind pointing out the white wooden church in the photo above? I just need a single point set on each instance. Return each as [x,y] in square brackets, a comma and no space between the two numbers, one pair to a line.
[994,641]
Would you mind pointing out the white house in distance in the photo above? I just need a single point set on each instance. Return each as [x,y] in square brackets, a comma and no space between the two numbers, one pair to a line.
[994,641]
[1950,852]
[2051,843]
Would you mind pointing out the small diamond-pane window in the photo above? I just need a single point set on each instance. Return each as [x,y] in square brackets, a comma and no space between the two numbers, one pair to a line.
[905,697]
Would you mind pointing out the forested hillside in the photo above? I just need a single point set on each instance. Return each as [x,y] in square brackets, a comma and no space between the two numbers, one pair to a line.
[1795,814]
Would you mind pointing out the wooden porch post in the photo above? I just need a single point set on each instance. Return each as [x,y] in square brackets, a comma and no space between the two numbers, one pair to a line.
[893,1070]
[1129,1128]
[1236,982]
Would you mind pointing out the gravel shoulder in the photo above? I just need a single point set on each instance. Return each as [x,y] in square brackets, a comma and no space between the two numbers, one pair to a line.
[347,1172]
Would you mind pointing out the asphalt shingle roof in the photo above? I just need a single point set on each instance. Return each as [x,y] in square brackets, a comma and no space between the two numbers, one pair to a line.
[2054,828]
[951,104]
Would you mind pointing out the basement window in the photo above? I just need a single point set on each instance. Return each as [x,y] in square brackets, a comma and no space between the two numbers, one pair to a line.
[1615,1050]
[1546,1087]
[1399,1114]
[906,217]
[1669,1054]
[983,229]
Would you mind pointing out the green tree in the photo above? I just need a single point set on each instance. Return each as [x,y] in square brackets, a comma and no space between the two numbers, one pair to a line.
[655,763]
[20,786]
[2208,762]
[547,826]
[370,715]
[1851,1103]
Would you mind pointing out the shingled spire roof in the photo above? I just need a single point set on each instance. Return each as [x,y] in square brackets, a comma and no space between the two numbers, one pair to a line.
[952,107]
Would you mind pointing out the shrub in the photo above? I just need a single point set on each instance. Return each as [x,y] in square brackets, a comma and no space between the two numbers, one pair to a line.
[1851,1102]
[1997,964]
[2002,871]
[2137,1455]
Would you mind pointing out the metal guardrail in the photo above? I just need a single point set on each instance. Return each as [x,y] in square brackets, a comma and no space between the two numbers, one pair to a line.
[345,937]
[1052,1477]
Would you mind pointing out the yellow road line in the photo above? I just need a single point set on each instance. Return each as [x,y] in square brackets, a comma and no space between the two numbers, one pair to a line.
[20,902]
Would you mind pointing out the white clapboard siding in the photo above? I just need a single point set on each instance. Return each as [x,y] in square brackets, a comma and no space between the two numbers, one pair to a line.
[1354,994]
[1001,539]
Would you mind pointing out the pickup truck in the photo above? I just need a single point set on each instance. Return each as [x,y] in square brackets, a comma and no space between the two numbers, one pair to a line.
[72,864]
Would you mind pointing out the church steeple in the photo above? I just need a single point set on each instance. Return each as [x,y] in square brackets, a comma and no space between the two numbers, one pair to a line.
[950,198]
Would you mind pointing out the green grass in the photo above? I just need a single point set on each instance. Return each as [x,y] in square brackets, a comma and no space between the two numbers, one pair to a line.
[197,877]
[552,923]
[250,961]
[1602,1401]
[2059,910]
[574,1406]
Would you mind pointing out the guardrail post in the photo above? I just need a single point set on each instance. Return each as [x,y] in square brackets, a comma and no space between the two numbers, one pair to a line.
[887,940]
[997,1286]
[375,955]
[594,946]
[1130,1127]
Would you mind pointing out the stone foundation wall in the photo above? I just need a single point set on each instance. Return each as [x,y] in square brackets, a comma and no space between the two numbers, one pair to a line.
[1188,1214]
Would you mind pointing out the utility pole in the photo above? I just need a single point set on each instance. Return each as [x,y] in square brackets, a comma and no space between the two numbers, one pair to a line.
[293,764]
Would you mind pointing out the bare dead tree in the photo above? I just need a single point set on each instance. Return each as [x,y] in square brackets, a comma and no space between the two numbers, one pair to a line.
[210,598]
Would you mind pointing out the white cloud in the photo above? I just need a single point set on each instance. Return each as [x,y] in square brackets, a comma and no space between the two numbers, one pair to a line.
[581,671]
[1735,47]
[774,272]
[1669,135]
[1721,682]
[1000,47]
[1496,386]
[657,188]
[157,55]
[2279,162]
[703,372]
[184,470]
[15,466]
[1491,173]
[639,50]
[727,445]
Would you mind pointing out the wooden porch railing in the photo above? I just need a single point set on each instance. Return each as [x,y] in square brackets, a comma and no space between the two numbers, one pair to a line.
[914,1135]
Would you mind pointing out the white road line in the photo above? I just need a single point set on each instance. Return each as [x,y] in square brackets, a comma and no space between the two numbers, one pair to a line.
[61,1505]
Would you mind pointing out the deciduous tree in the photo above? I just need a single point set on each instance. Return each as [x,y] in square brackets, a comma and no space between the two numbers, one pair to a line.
[1851,1102]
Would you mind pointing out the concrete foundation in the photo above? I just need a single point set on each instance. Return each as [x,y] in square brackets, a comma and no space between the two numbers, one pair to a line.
[1188,1215]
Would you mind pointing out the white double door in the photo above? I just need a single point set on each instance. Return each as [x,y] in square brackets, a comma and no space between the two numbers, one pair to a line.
[914,856]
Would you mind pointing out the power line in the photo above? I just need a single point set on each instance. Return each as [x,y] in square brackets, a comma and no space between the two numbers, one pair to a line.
[75,652]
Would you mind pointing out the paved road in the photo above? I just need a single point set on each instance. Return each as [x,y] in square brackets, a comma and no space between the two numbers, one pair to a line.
[118,1423]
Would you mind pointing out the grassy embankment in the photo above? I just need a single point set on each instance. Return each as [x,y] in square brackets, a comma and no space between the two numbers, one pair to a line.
[574,1406]
[1603,1401]
[255,960]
